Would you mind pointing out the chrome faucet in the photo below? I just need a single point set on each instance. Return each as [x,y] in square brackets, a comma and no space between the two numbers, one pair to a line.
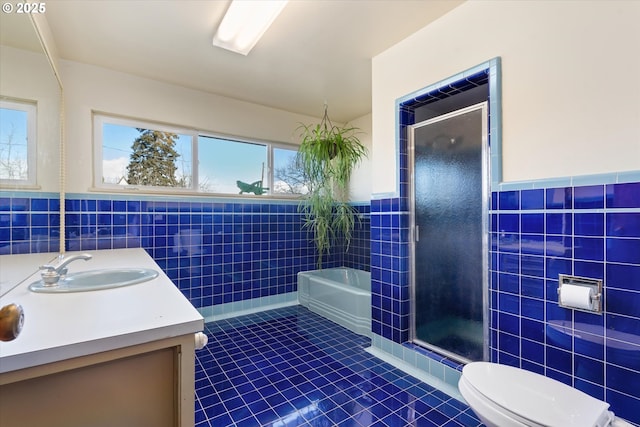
[51,274]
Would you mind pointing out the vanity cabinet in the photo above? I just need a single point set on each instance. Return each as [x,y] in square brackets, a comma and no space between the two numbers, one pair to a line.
[144,385]
[121,357]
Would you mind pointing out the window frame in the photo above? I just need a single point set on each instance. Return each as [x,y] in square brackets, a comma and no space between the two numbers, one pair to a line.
[100,119]
[31,109]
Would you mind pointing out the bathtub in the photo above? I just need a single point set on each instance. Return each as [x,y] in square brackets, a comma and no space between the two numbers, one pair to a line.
[341,294]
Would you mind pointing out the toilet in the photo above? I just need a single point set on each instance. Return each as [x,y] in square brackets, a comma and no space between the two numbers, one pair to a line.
[505,396]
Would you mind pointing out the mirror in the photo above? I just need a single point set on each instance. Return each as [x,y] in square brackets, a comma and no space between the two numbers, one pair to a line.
[28,79]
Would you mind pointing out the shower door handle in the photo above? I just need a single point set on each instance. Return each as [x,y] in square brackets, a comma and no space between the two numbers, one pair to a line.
[416,233]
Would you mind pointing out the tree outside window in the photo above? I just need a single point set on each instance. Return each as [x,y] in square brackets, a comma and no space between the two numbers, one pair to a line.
[153,160]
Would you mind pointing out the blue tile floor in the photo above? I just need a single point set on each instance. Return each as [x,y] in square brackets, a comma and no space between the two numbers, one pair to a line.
[290,367]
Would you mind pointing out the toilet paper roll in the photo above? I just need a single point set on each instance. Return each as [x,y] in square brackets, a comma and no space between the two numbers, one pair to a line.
[576,296]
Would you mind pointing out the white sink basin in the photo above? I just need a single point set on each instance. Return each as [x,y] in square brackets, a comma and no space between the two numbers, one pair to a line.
[94,280]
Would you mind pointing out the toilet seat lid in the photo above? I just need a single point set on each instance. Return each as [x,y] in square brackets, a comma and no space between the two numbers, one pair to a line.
[535,397]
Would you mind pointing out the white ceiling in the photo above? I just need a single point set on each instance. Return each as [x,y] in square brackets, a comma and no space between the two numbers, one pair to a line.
[16,30]
[315,51]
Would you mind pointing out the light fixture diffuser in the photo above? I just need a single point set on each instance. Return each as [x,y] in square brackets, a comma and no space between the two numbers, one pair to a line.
[245,22]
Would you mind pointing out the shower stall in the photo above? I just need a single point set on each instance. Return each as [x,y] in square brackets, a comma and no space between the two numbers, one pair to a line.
[449,193]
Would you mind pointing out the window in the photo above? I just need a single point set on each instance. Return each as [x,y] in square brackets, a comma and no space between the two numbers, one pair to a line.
[287,177]
[142,154]
[17,142]
[133,154]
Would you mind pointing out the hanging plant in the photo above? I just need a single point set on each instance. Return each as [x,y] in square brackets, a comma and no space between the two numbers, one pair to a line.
[327,156]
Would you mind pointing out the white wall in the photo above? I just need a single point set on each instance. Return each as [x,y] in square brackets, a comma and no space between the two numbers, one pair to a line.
[89,88]
[570,86]
[360,185]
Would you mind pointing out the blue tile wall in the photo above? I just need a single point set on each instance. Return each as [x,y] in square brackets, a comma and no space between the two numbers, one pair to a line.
[29,223]
[590,231]
[358,254]
[390,296]
[216,252]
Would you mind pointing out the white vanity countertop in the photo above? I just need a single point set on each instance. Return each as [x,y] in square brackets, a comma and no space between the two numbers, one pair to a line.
[66,325]
[16,268]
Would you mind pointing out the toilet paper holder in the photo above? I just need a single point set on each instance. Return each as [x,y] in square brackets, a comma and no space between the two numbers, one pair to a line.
[595,285]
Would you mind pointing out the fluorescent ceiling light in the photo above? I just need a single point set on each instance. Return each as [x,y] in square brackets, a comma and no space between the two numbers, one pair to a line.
[245,22]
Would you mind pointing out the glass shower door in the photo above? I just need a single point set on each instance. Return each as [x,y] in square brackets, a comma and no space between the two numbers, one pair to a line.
[448,155]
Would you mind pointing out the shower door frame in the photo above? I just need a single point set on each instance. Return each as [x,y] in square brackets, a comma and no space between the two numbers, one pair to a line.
[414,230]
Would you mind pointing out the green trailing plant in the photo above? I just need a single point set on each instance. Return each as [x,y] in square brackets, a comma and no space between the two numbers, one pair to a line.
[327,156]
